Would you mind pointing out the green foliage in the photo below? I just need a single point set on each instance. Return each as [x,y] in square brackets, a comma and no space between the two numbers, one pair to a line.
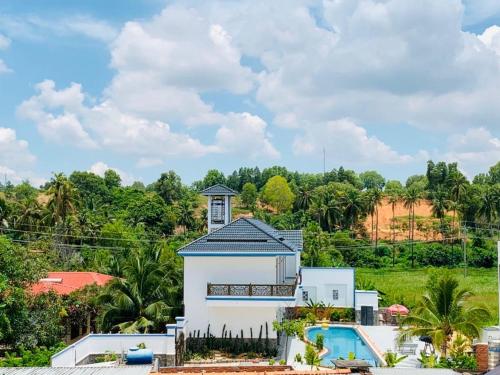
[278,194]
[169,187]
[108,356]
[272,362]
[249,195]
[298,358]
[443,311]
[320,340]
[392,359]
[112,179]
[372,180]
[39,357]
[282,362]
[311,357]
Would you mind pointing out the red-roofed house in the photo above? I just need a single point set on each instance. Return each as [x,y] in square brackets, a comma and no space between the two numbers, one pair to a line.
[63,283]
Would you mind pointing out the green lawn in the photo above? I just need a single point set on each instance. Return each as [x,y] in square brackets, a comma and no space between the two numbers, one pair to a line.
[405,286]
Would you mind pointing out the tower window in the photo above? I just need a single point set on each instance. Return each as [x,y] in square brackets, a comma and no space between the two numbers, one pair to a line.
[335,294]
[218,210]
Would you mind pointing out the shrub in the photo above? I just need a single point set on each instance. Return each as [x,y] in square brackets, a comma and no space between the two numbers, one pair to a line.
[282,362]
[272,362]
[298,358]
[320,340]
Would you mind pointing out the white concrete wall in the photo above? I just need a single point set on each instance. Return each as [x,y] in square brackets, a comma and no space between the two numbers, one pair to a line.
[237,318]
[116,343]
[367,298]
[320,283]
[198,271]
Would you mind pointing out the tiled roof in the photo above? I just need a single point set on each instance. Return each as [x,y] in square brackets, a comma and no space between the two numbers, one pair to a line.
[218,189]
[293,236]
[242,235]
[63,283]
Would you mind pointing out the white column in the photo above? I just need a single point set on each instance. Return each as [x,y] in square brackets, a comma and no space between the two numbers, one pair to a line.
[209,214]
[227,209]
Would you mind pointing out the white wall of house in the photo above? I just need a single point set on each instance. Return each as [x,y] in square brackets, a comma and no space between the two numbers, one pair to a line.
[366,298]
[116,343]
[200,270]
[333,286]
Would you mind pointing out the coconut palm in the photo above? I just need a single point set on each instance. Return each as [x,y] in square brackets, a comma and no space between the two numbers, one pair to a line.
[458,188]
[490,204]
[138,302]
[440,204]
[374,200]
[353,205]
[442,312]
[304,197]
[185,214]
[29,215]
[326,207]
[62,198]
[411,198]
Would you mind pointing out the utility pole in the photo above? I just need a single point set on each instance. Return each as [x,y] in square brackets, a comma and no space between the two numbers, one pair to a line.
[464,249]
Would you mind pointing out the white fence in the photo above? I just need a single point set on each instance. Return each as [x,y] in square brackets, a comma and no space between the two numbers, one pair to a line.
[117,343]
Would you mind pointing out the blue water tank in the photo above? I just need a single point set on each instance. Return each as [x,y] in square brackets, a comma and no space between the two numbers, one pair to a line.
[136,356]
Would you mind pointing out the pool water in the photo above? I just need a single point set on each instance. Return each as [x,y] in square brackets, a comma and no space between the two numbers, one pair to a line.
[340,341]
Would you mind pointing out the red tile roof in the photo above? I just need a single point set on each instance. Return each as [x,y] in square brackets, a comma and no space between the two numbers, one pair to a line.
[63,283]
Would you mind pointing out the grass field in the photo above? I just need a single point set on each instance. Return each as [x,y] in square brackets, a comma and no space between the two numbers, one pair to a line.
[405,286]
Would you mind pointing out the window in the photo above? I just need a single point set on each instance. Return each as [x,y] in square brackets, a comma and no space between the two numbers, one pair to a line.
[335,294]
[305,295]
[217,210]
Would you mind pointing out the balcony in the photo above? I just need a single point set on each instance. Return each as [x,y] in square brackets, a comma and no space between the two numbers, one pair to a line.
[252,290]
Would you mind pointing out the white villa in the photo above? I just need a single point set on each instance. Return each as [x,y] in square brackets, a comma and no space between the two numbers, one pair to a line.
[243,274]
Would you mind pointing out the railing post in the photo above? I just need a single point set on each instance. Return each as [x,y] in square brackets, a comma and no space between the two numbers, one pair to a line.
[272,290]
[228,289]
[208,289]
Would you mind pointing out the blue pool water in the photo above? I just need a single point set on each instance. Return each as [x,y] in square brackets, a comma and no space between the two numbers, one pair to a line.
[340,341]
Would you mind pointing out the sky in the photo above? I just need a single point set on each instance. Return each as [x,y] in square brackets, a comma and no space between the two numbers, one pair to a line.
[144,87]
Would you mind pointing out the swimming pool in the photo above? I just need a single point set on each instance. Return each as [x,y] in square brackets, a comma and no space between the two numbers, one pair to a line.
[340,341]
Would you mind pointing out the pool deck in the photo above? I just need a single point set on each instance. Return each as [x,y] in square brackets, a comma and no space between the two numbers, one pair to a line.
[380,338]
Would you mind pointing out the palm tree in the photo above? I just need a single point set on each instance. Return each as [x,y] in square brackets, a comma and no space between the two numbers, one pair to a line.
[326,207]
[185,214]
[440,204]
[442,312]
[393,198]
[29,215]
[411,198]
[490,202]
[353,205]
[138,303]
[458,188]
[62,198]
[304,198]
[374,198]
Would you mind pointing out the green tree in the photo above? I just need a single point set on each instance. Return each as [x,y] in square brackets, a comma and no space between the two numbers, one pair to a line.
[353,205]
[374,199]
[62,198]
[138,303]
[278,194]
[443,311]
[411,198]
[372,180]
[440,204]
[490,203]
[249,195]
[91,188]
[311,357]
[304,197]
[169,187]
[112,179]
[185,216]
[213,177]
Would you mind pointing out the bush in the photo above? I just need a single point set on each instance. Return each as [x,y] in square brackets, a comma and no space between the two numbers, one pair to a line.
[320,340]
[480,257]
[438,255]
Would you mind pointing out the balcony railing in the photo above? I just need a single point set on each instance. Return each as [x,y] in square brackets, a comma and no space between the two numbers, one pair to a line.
[252,290]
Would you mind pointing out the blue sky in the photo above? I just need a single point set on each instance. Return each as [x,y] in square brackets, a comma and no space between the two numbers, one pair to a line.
[147,86]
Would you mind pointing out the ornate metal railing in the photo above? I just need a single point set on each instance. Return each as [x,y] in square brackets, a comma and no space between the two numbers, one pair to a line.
[252,290]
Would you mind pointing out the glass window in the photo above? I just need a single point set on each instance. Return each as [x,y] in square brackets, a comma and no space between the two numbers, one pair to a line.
[217,210]
[335,294]
[305,295]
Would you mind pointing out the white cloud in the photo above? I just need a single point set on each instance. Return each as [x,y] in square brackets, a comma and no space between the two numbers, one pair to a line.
[37,28]
[148,162]
[475,150]
[99,168]
[16,161]
[346,143]
[4,68]
[245,134]
[491,38]
[4,42]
